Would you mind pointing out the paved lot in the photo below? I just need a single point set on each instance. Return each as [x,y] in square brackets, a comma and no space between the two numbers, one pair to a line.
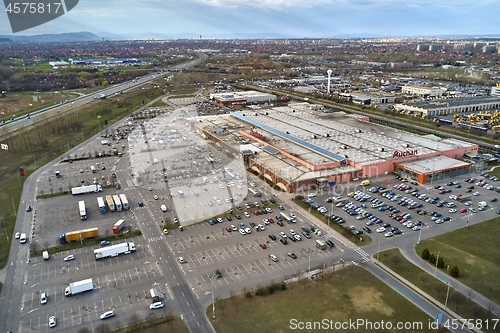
[121,283]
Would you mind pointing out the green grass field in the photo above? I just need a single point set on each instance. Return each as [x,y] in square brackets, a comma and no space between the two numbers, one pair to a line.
[475,251]
[435,288]
[348,294]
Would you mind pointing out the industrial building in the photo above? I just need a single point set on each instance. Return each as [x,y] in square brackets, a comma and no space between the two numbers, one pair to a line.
[435,108]
[422,91]
[243,97]
[298,149]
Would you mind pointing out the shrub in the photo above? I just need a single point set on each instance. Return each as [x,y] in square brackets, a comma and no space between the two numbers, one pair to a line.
[454,271]
[432,259]
[440,262]
[425,254]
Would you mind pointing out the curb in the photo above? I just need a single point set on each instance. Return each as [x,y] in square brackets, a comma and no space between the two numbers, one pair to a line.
[423,294]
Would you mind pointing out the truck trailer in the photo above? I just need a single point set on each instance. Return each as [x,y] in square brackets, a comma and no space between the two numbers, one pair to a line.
[78,235]
[83,210]
[78,287]
[114,250]
[118,203]
[111,203]
[124,201]
[58,174]
[86,189]
[118,226]
[102,206]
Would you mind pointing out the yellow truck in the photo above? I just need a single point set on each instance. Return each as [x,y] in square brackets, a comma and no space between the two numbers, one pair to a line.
[78,235]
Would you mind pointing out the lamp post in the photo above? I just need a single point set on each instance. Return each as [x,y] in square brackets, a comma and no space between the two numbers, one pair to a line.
[447,294]
[378,250]
[437,260]
[419,233]
[468,215]
[309,271]
[213,298]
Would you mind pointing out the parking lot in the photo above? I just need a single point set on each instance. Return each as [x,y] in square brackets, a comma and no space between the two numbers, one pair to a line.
[390,209]
[121,283]
[205,248]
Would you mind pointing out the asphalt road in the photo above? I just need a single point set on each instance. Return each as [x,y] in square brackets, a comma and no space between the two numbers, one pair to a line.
[53,111]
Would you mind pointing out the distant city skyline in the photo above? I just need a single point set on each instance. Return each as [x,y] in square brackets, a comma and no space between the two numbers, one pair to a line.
[273,18]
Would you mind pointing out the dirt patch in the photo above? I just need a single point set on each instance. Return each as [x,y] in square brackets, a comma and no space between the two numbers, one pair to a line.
[367,299]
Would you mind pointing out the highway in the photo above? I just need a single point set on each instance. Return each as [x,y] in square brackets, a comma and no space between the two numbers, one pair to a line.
[56,110]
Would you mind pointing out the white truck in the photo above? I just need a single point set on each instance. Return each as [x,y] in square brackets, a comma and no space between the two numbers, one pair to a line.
[114,250]
[86,189]
[124,201]
[78,287]
[118,203]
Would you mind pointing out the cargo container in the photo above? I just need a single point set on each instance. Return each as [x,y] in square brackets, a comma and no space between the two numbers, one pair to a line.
[102,206]
[78,235]
[86,189]
[79,287]
[118,226]
[124,201]
[114,250]
[111,203]
[118,203]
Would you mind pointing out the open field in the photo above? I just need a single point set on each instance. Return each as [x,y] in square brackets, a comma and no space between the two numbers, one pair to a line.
[475,251]
[19,103]
[348,294]
[435,288]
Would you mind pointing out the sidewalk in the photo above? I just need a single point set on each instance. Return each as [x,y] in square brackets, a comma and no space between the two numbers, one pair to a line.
[413,257]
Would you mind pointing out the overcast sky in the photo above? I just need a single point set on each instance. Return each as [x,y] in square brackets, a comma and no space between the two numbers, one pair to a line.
[290,18]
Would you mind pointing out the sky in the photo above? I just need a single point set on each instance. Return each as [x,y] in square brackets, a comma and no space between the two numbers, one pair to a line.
[287,18]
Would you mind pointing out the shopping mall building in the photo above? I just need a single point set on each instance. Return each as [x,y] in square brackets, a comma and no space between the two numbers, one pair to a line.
[297,148]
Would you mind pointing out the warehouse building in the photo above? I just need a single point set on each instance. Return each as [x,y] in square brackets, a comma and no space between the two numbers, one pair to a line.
[422,91]
[298,149]
[243,97]
[450,106]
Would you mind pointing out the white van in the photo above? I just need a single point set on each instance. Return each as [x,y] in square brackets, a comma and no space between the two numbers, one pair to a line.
[23,238]
[45,255]
[163,208]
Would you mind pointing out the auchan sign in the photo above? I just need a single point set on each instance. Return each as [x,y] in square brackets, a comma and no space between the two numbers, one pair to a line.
[405,153]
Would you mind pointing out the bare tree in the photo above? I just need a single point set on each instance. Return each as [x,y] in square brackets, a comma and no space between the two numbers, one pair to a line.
[46,245]
[118,325]
[457,298]
[135,321]
[84,330]
[424,277]
[103,328]
[396,260]
[440,288]
[150,319]
[33,247]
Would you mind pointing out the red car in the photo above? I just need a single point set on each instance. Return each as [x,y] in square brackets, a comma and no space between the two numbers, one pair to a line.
[256,212]
[228,229]
[262,245]
[463,210]
[270,220]
[468,190]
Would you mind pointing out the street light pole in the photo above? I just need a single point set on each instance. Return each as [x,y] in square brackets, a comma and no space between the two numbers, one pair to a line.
[447,294]
[378,250]
[213,299]
[419,234]
[309,271]
[437,260]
